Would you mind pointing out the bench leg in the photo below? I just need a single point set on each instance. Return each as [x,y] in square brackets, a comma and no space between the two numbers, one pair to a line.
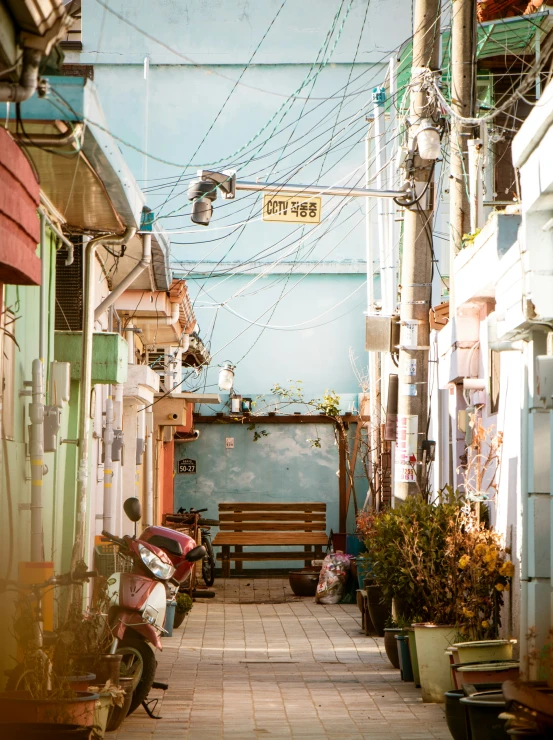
[238,565]
[308,549]
[225,552]
[318,552]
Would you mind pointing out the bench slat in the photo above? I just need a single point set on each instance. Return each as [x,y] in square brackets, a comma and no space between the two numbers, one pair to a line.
[262,506]
[270,538]
[272,527]
[270,516]
[258,556]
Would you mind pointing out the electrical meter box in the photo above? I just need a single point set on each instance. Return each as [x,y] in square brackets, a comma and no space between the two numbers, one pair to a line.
[382,333]
[544,379]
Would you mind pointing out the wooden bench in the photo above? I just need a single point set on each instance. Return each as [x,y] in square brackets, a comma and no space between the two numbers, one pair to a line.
[270,525]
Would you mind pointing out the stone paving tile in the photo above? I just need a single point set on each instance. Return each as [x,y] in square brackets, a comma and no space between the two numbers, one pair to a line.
[258,662]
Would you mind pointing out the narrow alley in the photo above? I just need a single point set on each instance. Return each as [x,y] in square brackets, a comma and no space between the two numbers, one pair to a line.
[258,662]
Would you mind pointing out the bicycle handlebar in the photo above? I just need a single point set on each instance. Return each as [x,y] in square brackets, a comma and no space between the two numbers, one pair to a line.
[197,511]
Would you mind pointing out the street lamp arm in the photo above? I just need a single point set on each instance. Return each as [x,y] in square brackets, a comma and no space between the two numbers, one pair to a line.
[319,190]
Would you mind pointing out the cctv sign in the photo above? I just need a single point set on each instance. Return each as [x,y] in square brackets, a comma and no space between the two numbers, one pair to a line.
[292,209]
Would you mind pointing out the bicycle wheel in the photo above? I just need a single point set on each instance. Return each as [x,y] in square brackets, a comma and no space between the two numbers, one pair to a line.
[208,563]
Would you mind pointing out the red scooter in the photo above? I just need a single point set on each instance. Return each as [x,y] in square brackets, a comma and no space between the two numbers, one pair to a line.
[139,599]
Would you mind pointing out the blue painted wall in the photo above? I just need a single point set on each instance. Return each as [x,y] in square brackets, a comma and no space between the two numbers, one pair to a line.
[166,75]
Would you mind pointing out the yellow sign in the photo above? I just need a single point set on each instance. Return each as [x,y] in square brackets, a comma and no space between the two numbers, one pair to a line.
[293,209]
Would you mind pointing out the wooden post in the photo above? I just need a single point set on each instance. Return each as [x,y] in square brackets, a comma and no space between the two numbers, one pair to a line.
[342,480]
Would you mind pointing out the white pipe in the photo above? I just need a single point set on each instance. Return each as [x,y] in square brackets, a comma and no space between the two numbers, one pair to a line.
[108,467]
[380,157]
[129,336]
[18,92]
[61,236]
[36,438]
[42,290]
[86,386]
[476,195]
[393,244]
[117,477]
[149,472]
[144,262]
[524,463]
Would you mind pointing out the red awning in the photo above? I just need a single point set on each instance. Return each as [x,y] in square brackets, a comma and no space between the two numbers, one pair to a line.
[19,224]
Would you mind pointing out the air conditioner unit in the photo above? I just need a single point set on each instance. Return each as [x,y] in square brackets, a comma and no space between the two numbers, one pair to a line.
[166,361]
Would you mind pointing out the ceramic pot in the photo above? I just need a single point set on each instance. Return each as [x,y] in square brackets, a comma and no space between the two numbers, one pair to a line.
[484,651]
[19,706]
[118,714]
[391,645]
[101,714]
[363,571]
[483,712]
[414,657]
[404,658]
[496,672]
[304,582]
[81,683]
[41,731]
[434,668]
[456,715]
[106,667]
[379,612]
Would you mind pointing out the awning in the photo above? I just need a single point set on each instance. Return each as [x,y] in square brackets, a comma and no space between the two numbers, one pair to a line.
[19,225]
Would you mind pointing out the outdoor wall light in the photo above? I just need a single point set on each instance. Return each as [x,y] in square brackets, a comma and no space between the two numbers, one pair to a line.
[226,377]
[236,404]
[428,140]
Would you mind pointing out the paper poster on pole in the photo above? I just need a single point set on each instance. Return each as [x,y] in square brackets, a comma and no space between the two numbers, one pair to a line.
[406,448]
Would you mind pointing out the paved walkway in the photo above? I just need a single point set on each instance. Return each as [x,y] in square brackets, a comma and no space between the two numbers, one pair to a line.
[257,662]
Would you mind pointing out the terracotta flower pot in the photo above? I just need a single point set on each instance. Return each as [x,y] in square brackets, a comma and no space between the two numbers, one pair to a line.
[483,713]
[105,667]
[43,731]
[19,706]
[379,612]
[118,714]
[390,644]
[497,672]
[81,683]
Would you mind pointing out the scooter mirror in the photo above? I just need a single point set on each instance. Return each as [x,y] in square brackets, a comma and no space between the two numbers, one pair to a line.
[133,509]
[196,553]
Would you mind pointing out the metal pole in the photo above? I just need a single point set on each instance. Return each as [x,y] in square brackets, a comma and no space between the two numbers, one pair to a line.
[380,176]
[416,270]
[288,187]
[463,36]
[108,466]
[149,469]
[36,449]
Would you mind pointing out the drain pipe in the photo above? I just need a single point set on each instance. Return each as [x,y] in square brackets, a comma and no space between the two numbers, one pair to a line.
[108,466]
[149,468]
[131,277]
[18,92]
[53,141]
[116,464]
[36,449]
[86,386]
[170,320]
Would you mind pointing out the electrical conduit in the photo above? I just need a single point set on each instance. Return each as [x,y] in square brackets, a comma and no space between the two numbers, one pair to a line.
[108,466]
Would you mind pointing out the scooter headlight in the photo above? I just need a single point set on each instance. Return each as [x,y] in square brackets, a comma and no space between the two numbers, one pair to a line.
[155,565]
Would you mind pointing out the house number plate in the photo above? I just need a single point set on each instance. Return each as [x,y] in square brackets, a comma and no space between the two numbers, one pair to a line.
[187,466]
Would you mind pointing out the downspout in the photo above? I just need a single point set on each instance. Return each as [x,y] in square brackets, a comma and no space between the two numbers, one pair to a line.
[149,468]
[86,386]
[108,466]
[116,464]
[53,141]
[61,236]
[131,277]
[18,92]
[170,320]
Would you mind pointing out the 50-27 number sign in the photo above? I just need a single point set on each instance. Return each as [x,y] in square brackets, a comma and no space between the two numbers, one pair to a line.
[295,209]
[187,466]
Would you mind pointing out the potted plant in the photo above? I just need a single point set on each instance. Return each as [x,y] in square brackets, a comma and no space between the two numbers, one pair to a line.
[184,605]
[446,570]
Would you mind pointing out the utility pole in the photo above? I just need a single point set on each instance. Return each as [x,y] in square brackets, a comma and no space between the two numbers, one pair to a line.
[416,274]
[463,33]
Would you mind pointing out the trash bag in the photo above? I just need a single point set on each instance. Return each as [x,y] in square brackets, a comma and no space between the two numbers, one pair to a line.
[333,578]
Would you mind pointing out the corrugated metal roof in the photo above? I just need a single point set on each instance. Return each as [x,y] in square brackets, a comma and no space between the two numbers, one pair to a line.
[508,36]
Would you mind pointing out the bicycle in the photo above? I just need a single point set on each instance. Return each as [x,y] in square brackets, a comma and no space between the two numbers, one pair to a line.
[19,677]
[202,535]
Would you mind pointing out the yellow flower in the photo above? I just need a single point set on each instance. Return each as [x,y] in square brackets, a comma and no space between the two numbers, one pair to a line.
[507,569]
[468,613]
[485,624]
[464,561]
[507,587]
[499,587]
[480,549]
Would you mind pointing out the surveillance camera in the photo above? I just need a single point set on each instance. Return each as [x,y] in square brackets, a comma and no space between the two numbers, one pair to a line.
[202,193]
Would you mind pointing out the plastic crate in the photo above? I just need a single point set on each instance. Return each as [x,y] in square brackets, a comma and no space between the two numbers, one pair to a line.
[108,560]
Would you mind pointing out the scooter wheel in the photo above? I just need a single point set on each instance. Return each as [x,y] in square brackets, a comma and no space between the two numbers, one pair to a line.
[138,662]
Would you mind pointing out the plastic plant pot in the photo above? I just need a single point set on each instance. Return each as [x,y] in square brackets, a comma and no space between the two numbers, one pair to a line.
[117,714]
[404,658]
[434,668]
[484,651]
[414,657]
[483,713]
[456,715]
[380,613]
[106,667]
[81,683]
[354,546]
[101,714]
[363,571]
[170,617]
